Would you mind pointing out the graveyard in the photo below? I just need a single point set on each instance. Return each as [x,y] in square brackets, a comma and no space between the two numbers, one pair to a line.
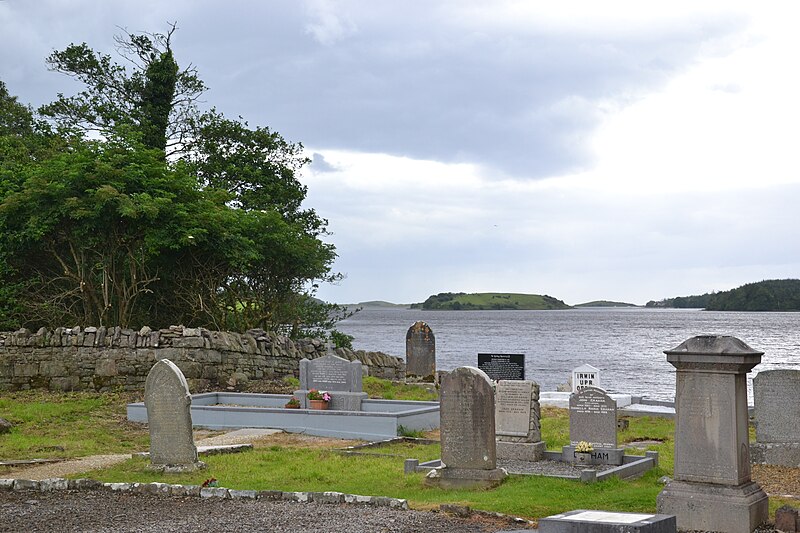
[487,446]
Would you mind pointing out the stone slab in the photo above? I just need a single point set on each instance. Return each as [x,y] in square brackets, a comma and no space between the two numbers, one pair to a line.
[600,456]
[513,408]
[521,451]
[775,453]
[581,521]
[708,507]
[773,391]
[420,352]
[465,478]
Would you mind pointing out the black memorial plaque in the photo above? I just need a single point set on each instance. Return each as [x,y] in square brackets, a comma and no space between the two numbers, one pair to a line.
[503,365]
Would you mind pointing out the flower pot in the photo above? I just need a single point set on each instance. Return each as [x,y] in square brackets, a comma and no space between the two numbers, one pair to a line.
[583,458]
[321,405]
[295,406]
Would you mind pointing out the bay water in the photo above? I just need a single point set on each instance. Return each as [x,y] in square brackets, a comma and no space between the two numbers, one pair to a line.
[626,344]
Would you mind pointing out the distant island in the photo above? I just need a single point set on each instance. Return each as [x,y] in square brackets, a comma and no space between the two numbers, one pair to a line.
[767,295]
[456,301]
[605,303]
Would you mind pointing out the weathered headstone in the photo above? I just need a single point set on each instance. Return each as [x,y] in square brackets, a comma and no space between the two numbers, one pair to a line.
[712,488]
[517,421]
[593,418]
[467,431]
[585,376]
[502,365]
[338,376]
[777,424]
[169,417]
[420,353]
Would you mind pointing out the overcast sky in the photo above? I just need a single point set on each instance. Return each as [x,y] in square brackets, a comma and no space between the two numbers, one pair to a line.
[587,150]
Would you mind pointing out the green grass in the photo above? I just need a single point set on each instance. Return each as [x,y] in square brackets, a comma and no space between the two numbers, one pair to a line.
[389,390]
[64,425]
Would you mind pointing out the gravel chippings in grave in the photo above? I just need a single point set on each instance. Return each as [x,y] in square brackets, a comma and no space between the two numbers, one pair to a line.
[104,511]
[547,468]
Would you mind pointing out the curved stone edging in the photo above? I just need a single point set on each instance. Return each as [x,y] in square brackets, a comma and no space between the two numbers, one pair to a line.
[166,489]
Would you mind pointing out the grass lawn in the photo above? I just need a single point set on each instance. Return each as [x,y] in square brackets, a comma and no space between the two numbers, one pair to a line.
[78,424]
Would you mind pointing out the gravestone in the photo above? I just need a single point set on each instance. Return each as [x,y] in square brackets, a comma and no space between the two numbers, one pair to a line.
[502,365]
[467,429]
[339,377]
[169,417]
[777,424]
[593,418]
[585,376]
[420,353]
[712,489]
[607,522]
[517,421]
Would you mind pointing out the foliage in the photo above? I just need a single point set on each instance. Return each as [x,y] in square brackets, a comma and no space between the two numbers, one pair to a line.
[389,390]
[489,301]
[341,340]
[314,394]
[168,216]
[768,295]
[293,402]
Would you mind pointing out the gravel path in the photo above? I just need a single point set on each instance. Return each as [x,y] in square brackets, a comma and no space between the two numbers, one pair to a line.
[104,511]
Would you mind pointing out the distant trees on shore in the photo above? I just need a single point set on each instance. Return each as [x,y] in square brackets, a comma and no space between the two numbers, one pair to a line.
[767,295]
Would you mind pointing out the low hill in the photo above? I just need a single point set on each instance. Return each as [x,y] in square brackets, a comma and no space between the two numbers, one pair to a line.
[605,303]
[490,301]
[767,295]
[379,304]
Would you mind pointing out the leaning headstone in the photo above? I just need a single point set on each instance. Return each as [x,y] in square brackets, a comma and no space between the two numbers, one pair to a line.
[593,418]
[335,375]
[712,488]
[420,353]
[169,417]
[777,427]
[467,431]
[607,522]
[517,421]
[585,376]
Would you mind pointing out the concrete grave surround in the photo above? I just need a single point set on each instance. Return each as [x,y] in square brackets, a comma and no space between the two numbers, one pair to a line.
[585,376]
[420,352]
[776,394]
[517,419]
[467,430]
[338,376]
[712,488]
[593,418]
[581,521]
[169,418]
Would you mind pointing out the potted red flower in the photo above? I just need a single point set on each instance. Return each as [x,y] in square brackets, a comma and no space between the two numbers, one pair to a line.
[318,399]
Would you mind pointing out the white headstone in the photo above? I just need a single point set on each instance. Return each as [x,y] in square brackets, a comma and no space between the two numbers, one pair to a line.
[585,376]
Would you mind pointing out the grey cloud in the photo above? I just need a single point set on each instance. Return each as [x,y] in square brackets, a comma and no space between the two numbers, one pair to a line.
[319,164]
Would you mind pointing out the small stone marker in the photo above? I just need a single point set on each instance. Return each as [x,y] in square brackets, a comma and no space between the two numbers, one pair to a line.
[712,488]
[607,522]
[420,353]
[502,365]
[593,418]
[777,425]
[338,376]
[169,417]
[517,419]
[467,430]
[585,376]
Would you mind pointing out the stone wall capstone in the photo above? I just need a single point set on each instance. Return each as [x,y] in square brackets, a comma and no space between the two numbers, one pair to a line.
[101,359]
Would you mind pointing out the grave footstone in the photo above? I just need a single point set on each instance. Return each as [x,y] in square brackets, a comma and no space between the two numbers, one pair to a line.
[593,418]
[777,427]
[467,428]
[336,375]
[169,417]
[712,489]
[581,521]
[517,421]
[420,353]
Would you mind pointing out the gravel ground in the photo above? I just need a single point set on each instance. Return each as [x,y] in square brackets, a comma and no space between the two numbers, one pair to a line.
[104,511]
[547,468]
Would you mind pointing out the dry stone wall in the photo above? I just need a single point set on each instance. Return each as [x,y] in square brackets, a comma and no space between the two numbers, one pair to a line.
[100,358]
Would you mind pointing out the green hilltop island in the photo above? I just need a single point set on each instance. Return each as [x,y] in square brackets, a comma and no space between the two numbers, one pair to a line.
[455,301]
[767,295]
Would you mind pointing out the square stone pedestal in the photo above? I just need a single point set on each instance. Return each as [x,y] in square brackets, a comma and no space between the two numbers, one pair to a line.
[709,507]
[521,451]
[340,400]
[465,478]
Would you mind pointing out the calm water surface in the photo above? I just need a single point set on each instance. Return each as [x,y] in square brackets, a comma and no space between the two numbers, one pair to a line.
[627,345]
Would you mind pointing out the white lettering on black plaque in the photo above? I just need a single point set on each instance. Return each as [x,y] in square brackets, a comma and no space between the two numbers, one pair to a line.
[503,365]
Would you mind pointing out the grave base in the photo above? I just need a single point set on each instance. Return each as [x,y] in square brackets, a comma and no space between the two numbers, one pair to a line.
[521,451]
[465,478]
[775,453]
[708,507]
[600,456]
[340,400]
[177,469]
[581,521]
